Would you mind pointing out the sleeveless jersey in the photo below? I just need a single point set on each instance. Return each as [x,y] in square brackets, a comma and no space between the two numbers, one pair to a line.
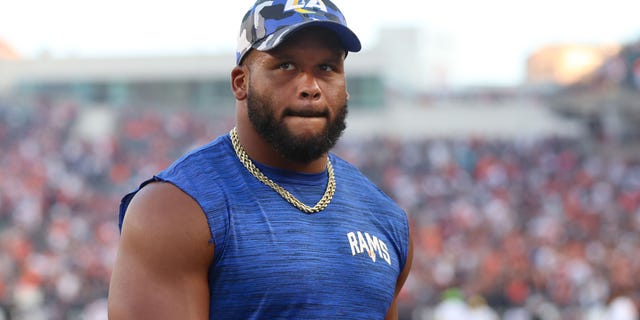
[272,261]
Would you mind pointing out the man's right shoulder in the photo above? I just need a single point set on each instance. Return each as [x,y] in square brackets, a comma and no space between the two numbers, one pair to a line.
[161,200]
[161,208]
[164,241]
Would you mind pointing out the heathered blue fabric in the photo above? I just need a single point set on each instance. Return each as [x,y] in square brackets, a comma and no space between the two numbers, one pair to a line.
[273,261]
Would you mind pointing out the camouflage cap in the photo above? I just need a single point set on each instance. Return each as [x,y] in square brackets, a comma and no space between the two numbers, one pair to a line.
[269,22]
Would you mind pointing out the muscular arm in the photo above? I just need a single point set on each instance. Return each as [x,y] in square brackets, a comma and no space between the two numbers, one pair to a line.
[163,258]
[392,313]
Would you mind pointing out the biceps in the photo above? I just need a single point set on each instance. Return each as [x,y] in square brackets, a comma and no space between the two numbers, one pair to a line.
[141,288]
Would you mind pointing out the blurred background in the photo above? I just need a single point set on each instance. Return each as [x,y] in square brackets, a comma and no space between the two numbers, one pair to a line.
[506,129]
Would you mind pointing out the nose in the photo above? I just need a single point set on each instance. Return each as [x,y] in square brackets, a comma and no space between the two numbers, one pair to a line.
[309,88]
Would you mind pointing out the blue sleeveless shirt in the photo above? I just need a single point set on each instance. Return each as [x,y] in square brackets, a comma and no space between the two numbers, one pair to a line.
[272,261]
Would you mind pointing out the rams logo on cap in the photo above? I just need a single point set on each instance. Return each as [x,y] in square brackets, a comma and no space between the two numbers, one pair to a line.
[303,6]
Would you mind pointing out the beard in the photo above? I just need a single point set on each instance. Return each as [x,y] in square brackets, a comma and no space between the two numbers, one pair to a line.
[289,146]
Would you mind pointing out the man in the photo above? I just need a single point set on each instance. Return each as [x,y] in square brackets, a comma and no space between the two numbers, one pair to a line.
[264,222]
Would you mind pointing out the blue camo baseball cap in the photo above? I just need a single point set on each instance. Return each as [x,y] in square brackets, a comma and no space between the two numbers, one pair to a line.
[269,22]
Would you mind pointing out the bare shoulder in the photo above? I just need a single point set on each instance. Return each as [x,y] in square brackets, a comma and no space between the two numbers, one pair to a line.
[161,212]
[163,257]
[162,220]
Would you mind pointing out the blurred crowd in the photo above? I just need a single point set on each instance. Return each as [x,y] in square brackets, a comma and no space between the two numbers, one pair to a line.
[523,229]
[59,196]
[535,229]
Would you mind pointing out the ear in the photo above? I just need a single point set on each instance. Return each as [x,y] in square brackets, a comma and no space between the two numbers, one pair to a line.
[239,82]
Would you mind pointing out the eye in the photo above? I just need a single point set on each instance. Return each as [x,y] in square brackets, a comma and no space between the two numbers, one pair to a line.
[285,66]
[326,67]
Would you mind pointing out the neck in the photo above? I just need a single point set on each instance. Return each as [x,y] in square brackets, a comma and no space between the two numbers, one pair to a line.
[243,157]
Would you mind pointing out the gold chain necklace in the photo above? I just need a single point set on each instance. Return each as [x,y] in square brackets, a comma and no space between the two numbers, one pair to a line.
[246,161]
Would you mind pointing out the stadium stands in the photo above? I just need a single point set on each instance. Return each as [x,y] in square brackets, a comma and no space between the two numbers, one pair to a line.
[545,226]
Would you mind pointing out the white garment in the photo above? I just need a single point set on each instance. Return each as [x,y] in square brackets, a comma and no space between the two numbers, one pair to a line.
[622,308]
[451,309]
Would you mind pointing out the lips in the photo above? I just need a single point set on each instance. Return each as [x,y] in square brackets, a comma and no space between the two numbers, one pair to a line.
[306,113]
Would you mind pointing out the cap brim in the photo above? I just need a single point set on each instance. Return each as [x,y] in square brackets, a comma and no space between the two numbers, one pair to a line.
[348,38]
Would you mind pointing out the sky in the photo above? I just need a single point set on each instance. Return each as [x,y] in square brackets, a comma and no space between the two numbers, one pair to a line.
[489,39]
